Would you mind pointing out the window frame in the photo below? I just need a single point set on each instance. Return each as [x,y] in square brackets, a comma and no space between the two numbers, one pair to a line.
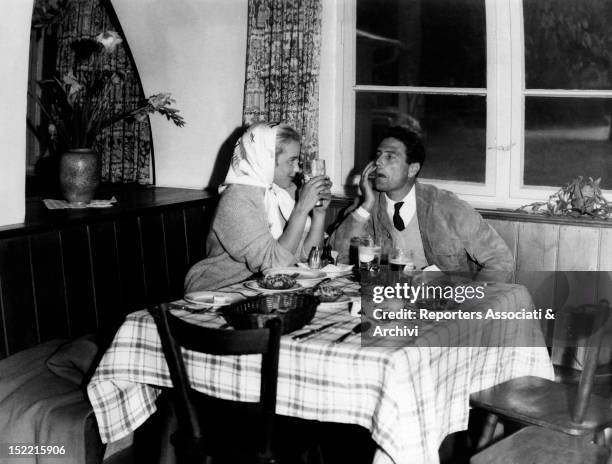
[505,102]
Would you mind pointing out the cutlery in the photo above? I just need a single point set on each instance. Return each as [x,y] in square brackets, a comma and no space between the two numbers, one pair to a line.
[314,331]
[190,308]
[361,327]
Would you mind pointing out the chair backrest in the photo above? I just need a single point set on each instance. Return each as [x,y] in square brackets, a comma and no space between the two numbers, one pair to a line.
[582,327]
[175,333]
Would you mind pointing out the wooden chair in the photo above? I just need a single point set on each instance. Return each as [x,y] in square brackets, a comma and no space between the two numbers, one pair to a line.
[231,431]
[560,410]
[537,445]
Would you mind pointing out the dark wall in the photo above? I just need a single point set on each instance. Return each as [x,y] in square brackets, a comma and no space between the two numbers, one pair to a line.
[86,275]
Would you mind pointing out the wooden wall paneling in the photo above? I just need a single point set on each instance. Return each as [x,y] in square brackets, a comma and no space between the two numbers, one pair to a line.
[3,340]
[579,251]
[107,275]
[79,280]
[49,285]
[176,251]
[129,246]
[578,248]
[18,306]
[508,230]
[604,290]
[605,266]
[536,261]
[197,219]
[154,257]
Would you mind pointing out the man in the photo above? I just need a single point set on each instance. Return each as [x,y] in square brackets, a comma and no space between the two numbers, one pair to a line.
[439,228]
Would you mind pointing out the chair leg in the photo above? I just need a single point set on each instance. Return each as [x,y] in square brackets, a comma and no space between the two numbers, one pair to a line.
[488,431]
[315,456]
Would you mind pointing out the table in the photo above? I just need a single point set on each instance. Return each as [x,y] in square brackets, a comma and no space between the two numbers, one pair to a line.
[409,398]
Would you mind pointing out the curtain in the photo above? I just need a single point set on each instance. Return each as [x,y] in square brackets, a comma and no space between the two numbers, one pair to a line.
[282,76]
[125,147]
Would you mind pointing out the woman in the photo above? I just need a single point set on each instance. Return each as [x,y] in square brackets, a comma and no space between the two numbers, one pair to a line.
[258,224]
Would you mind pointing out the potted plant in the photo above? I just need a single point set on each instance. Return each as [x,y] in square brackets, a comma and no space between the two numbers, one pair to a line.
[78,109]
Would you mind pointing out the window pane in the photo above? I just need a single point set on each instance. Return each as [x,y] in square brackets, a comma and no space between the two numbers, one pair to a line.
[453,129]
[565,138]
[421,43]
[568,44]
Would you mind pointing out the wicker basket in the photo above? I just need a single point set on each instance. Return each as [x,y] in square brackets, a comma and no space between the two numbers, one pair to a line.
[294,309]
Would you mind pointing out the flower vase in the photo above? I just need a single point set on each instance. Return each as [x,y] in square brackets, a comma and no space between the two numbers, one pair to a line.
[79,174]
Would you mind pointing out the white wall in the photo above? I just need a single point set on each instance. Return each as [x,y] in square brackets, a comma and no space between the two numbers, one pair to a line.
[14,47]
[196,50]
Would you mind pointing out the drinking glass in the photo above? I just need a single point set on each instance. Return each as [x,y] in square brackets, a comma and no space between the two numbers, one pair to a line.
[313,168]
[401,260]
[369,254]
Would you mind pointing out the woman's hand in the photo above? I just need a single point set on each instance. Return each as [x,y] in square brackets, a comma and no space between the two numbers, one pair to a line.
[324,202]
[317,188]
[367,189]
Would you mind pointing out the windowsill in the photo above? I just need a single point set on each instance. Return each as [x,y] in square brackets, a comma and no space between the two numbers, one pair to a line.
[341,200]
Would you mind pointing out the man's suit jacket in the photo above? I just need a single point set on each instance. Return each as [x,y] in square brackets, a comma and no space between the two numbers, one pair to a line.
[455,236]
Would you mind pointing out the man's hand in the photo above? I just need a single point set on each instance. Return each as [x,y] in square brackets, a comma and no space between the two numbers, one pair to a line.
[367,189]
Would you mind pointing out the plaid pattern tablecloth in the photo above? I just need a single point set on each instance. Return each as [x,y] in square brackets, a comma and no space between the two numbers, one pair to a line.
[410,398]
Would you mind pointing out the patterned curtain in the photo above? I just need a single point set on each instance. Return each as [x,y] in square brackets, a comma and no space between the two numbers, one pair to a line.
[282,77]
[125,147]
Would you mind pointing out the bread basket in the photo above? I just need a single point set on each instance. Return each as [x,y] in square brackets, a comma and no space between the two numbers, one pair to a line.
[294,309]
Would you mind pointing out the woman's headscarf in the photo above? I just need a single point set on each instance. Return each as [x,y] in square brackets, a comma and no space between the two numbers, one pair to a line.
[253,163]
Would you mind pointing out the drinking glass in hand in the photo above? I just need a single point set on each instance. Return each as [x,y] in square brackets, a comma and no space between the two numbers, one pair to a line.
[369,254]
[313,168]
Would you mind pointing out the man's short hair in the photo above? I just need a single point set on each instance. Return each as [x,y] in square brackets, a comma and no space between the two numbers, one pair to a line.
[415,151]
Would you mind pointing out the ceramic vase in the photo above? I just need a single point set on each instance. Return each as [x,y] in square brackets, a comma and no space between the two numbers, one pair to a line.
[79,173]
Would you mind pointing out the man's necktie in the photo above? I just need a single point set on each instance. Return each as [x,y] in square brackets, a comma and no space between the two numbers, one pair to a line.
[398,222]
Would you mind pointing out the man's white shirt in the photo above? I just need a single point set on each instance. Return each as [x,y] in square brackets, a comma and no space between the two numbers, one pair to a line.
[407,211]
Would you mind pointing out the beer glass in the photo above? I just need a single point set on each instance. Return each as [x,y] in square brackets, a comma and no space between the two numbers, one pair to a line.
[313,168]
[369,254]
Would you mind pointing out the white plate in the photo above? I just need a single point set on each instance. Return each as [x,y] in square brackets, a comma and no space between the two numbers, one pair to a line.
[305,277]
[210,299]
[253,285]
[335,275]
[302,274]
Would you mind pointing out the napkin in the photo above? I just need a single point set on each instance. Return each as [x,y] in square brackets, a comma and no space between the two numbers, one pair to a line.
[62,204]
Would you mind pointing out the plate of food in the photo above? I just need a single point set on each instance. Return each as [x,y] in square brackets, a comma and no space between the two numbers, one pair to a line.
[212,299]
[274,283]
[328,293]
[304,277]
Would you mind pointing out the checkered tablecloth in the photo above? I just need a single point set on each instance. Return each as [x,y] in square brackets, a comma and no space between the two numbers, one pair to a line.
[410,398]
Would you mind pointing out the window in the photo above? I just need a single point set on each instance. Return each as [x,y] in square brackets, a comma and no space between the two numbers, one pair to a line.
[513,99]
[568,46]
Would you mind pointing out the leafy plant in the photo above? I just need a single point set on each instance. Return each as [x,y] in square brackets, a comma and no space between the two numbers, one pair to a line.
[581,196]
[79,108]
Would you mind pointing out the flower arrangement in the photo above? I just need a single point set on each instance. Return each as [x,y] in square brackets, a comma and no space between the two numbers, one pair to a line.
[581,196]
[78,108]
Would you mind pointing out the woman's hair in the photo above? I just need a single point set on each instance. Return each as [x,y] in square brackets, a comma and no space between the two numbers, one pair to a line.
[284,135]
